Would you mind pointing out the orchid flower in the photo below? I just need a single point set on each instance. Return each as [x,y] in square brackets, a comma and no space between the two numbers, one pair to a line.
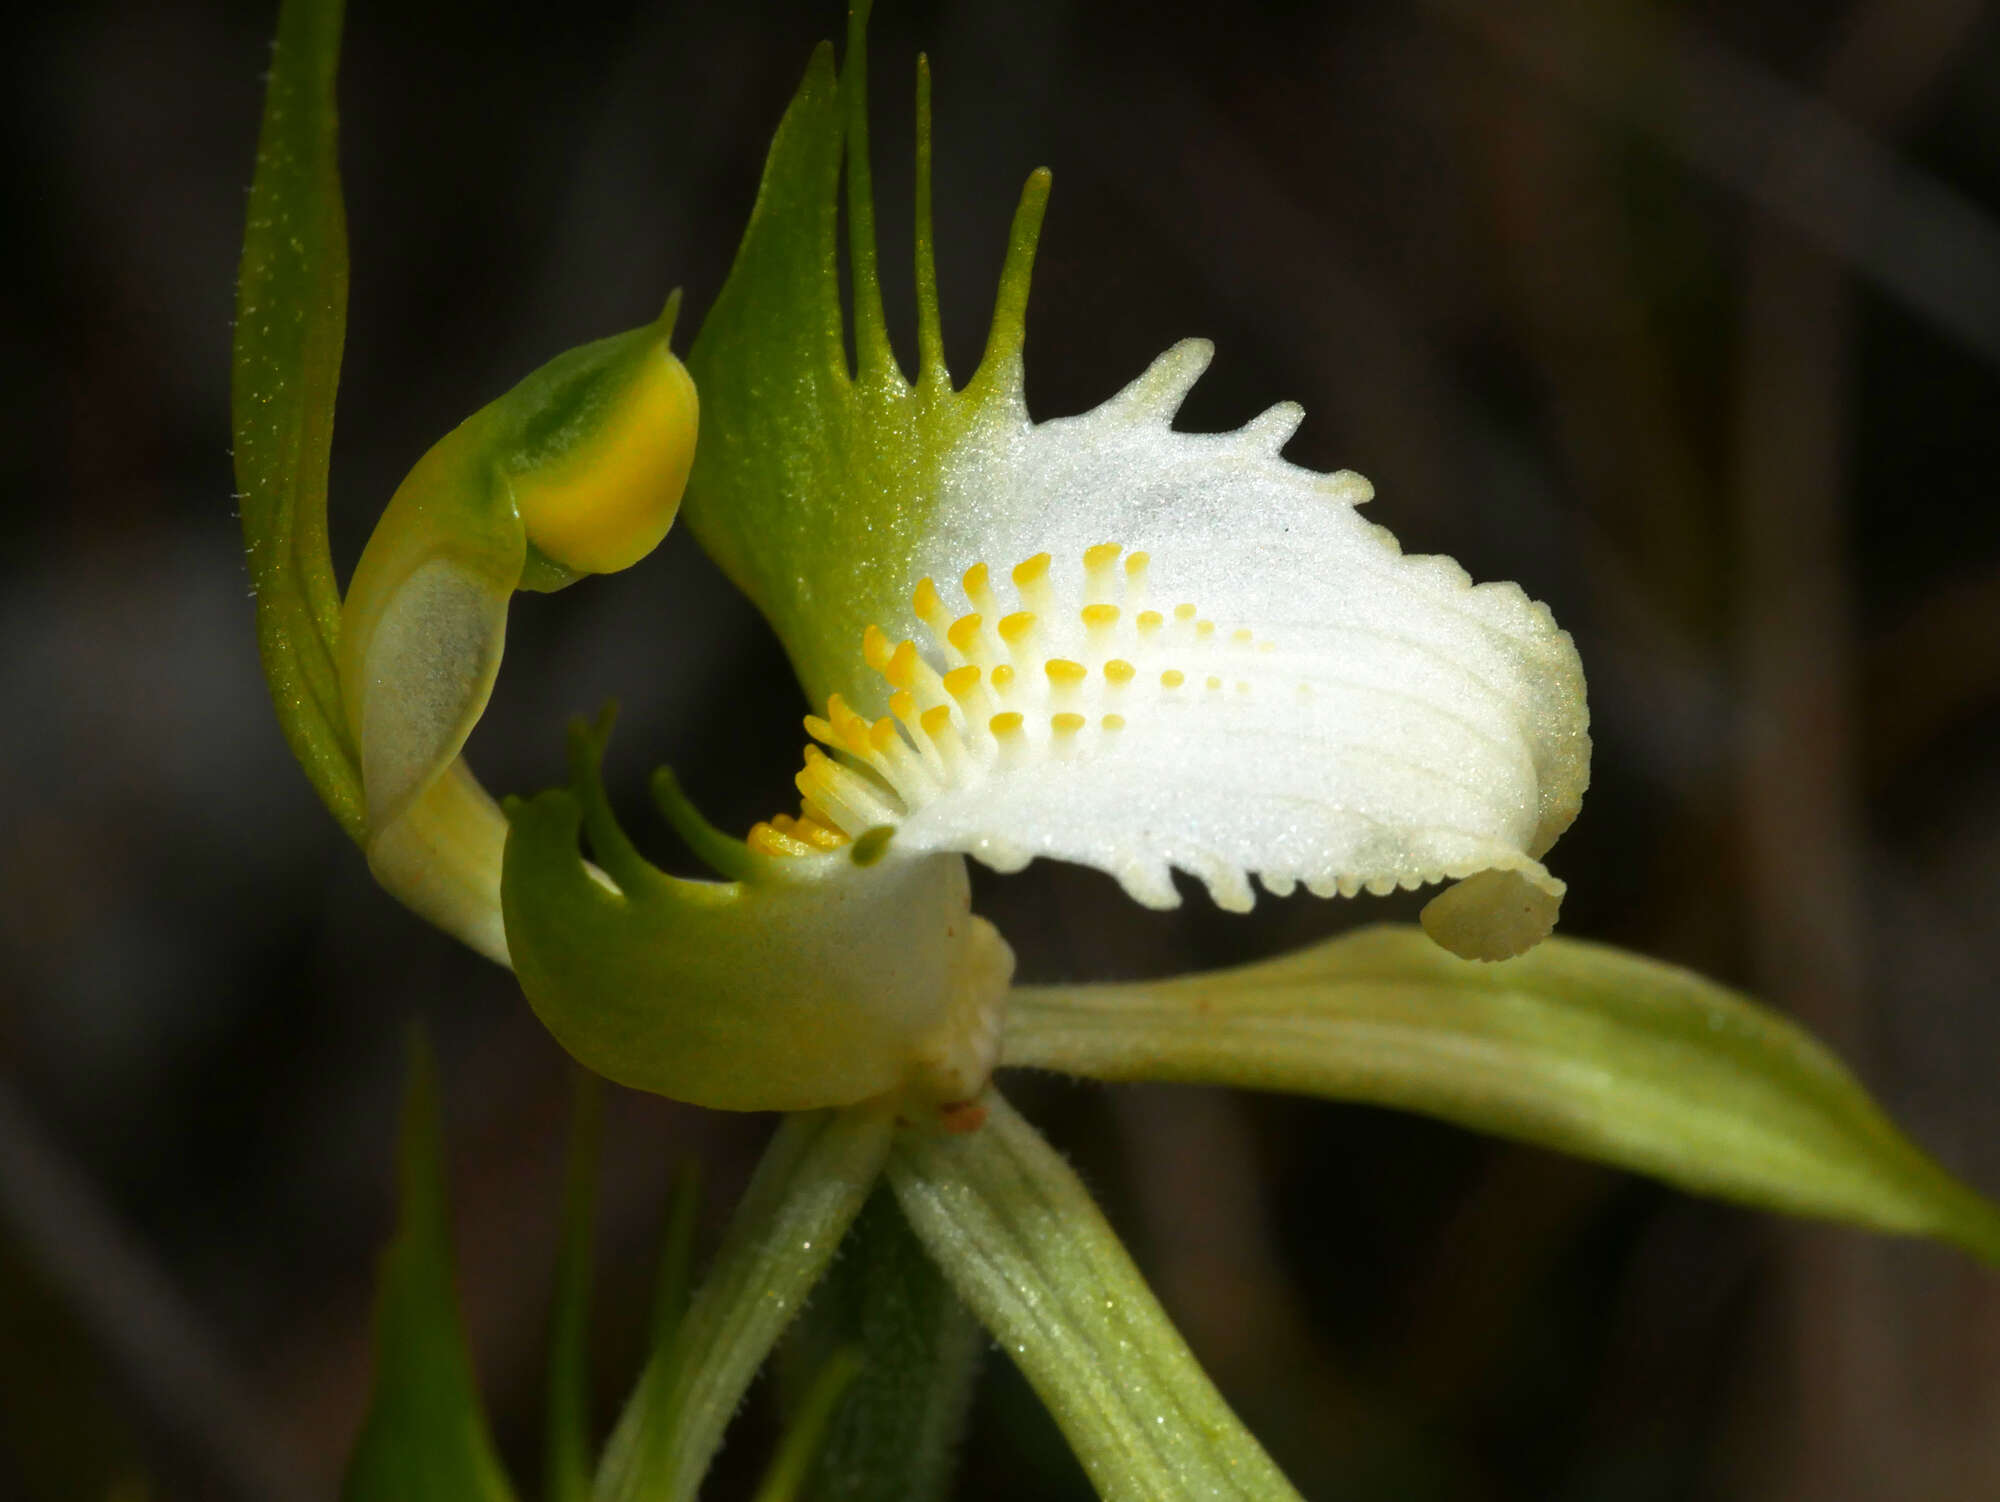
[1098,640]
[1095,639]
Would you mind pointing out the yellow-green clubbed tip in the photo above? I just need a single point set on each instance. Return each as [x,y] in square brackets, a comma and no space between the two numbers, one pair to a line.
[606,436]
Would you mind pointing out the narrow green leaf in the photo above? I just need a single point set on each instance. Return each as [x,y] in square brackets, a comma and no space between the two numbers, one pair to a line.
[896,1436]
[675,1276]
[425,1434]
[801,1443]
[566,1462]
[814,1177]
[291,321]
[1021,1240]
[1574,1046]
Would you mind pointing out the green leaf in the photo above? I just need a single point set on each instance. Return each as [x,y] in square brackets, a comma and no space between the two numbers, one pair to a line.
[567,1460]
[896,1435]
[675,1274]
[1021,1240]
[807,1428]
[812,485]
[425,1434]
[813,1178]
[291,320]
[1574,1046]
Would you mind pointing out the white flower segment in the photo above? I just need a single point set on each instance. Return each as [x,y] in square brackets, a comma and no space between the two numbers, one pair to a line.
[1139,649]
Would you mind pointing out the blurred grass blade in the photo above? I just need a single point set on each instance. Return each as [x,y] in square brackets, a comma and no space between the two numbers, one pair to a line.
[807,1429]
[291,320]
[1019,1237]
[675,1277]
[813,1178]
[567,1459]
[1578,1047]
[425,1434]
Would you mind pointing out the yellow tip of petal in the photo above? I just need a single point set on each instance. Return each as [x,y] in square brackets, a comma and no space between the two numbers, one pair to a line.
[1493,915]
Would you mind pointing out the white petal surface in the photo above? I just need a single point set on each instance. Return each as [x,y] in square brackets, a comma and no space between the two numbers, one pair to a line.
[1253,680]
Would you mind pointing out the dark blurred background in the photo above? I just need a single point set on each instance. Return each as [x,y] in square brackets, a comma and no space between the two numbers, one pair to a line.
[1687,316]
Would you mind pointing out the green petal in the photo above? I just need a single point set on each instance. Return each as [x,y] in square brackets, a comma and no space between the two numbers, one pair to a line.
[812,484]
[814,1177]
[425,1434]
[808,981]
[1578,1047]
[1021,1240]
[291,320]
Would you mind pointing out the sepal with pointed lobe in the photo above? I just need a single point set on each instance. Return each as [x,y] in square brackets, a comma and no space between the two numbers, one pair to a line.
[1131,647]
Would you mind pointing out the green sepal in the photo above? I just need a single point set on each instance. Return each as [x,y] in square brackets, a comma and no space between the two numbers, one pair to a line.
[1028,1250]
[1579,1047]
[291,322]
[810,981]
[425,1434]
[813,484]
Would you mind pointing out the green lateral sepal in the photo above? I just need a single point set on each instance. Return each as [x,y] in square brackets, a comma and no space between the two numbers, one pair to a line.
[1578,1047]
